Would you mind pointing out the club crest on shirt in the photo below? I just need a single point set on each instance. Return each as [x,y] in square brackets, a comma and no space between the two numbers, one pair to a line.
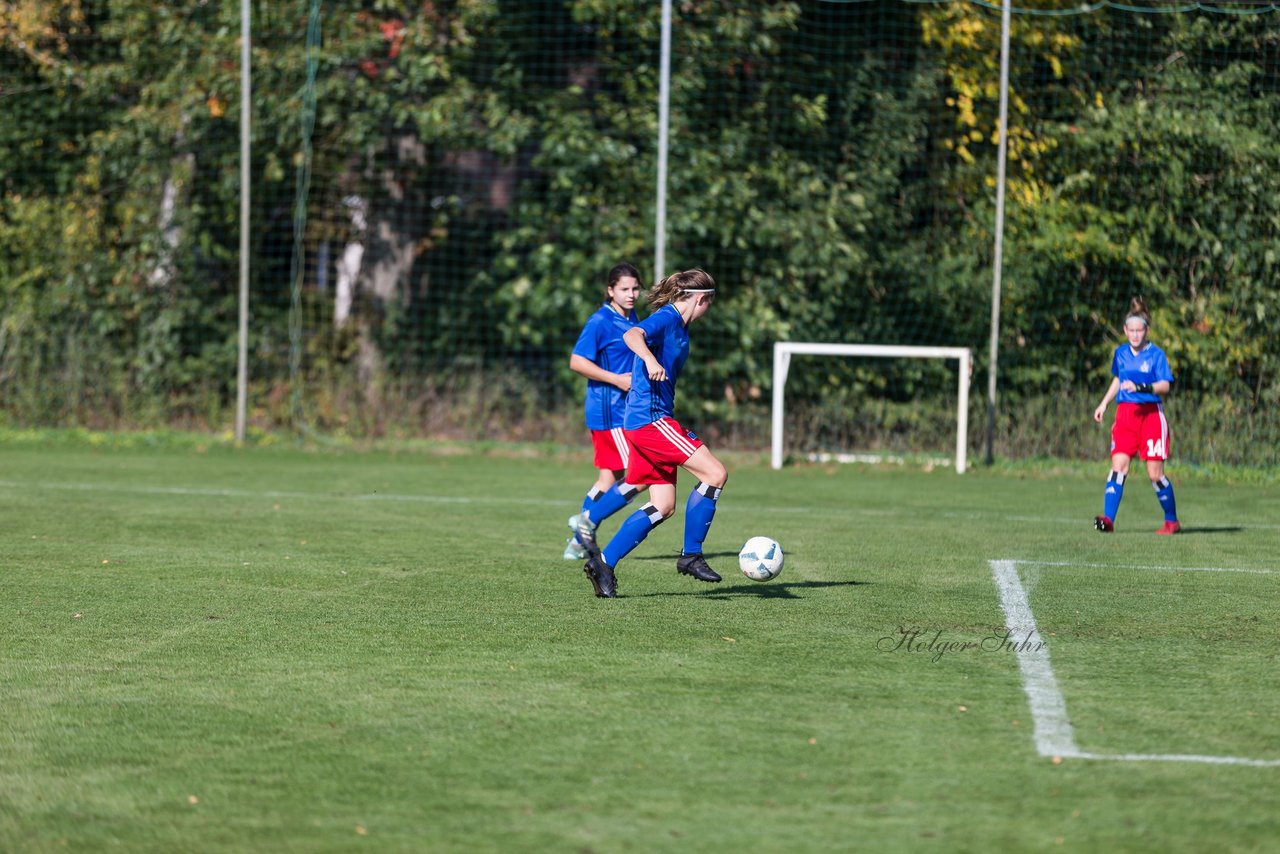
[1145,367]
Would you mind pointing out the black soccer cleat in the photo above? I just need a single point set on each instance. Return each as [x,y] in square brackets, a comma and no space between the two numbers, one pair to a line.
[602,578]
[696,565]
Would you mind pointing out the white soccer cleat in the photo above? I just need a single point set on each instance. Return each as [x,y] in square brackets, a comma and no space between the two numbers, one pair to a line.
[573,550]
[586,534]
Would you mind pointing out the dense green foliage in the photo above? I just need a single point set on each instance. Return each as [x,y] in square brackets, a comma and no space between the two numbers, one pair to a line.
[831,163]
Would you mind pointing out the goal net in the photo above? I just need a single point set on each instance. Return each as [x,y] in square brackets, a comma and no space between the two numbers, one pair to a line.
[784,350]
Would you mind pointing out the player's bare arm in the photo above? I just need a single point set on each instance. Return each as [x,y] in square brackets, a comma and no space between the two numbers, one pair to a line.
[589,369]
[634,338]
[1112,391]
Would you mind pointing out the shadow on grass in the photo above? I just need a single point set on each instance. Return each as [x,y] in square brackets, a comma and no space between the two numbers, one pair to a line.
[761,590]
[707,555]
[1200,529]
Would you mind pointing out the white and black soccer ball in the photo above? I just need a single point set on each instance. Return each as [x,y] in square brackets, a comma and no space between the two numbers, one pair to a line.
[760,559]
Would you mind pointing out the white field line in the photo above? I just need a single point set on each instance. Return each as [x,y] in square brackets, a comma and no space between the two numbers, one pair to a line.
[1048,710]
[1077,522]
[481,500]
[1142,566]
[221,492]
[210,492]
[893,459]
[1053,732]
[1178,757]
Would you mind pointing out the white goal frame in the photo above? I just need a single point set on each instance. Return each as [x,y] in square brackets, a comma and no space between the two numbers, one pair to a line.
[783,350]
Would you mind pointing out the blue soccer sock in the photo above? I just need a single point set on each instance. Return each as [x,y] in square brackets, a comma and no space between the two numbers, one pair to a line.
[1164,493]
[632,533]
[593,495]
[611,501]
[1111,498]
[698,513]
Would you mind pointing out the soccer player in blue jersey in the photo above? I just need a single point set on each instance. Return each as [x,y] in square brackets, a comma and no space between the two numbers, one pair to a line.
[601,357]
[658,443]
[1140,377]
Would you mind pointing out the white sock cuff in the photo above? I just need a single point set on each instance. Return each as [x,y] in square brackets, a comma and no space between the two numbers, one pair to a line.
[655,518]
[712,492]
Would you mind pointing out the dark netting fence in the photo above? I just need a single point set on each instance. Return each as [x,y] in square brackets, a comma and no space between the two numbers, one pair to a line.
[440,188]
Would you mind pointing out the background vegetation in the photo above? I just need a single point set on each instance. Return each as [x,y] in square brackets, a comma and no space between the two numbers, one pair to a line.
[831,163]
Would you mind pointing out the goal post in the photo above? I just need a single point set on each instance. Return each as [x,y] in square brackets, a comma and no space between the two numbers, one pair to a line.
[783,350]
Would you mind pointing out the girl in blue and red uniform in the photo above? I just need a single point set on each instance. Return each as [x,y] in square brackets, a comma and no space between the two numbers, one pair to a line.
[658,443]
[1140,378]
[601,357]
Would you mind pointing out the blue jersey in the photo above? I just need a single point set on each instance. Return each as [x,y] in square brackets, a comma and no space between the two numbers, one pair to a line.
[650,401]
[1148,365]
[601,344]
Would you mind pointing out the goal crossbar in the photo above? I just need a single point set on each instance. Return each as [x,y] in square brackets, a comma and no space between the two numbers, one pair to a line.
[783,350]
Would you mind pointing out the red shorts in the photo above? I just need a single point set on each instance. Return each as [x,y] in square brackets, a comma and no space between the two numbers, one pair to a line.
[611,449]
[656,450]
[1140,431]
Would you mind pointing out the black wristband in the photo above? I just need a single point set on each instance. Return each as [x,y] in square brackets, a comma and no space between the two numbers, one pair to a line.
[1144,388]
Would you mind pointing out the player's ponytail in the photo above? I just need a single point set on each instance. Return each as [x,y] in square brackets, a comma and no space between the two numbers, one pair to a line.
[1138,309]
[674,287]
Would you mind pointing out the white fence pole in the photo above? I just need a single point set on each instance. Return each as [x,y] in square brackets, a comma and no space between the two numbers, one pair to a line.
[664,125]
[246,100]
[997,260]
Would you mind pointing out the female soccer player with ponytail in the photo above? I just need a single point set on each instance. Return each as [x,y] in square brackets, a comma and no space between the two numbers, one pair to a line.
[658,443]
[1140,378]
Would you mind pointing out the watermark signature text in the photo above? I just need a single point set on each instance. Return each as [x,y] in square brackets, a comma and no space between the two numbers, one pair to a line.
[935,644]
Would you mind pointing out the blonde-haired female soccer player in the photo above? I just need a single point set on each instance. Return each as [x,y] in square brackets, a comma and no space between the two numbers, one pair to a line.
[658,443]
[1140,377]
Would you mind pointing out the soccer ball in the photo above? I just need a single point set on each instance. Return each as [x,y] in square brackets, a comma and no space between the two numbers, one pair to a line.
[760,559]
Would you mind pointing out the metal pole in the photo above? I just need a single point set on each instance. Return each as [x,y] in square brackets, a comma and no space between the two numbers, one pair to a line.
[664,123]
[242,366]
[997,260]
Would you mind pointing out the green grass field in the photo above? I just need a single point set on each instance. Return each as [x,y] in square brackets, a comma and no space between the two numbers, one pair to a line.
[207,649]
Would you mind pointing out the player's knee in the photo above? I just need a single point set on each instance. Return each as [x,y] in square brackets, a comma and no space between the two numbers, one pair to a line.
[716,475]
[662,507]
[709,490]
